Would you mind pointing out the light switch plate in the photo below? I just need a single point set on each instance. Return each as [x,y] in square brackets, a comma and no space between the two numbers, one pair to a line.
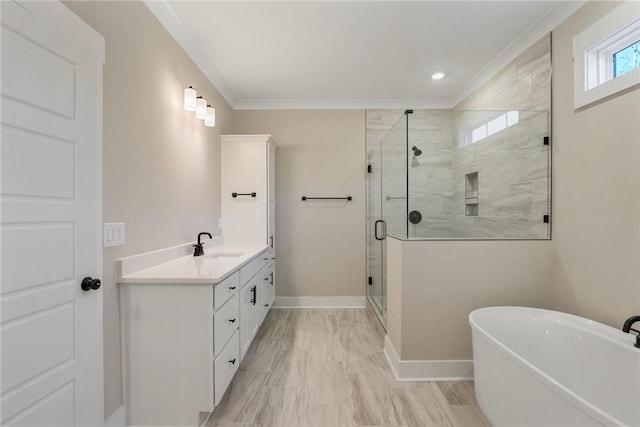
[113,234]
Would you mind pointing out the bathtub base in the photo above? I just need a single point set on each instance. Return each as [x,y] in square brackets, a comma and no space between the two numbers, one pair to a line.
[510,396]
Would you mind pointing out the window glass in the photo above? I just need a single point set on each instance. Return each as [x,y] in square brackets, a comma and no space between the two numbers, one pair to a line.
[626,59]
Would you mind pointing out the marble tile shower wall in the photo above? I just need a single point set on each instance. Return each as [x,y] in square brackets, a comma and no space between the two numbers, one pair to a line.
[513,165]
[430,174]
[513,180]
[523,84]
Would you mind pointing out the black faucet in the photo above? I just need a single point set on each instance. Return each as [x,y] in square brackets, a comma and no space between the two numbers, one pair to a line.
[198,249]
[627,328]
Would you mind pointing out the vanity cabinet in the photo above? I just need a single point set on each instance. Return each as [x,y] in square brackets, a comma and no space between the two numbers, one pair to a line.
[183,342]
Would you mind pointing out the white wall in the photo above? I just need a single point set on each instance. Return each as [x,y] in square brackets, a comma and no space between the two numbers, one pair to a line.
[321,245]
[596,191]
[161,165]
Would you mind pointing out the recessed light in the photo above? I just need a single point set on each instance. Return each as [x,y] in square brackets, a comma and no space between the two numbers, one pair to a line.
[437,76]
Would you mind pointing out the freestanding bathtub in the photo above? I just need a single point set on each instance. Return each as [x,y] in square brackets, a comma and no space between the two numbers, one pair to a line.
[535,367]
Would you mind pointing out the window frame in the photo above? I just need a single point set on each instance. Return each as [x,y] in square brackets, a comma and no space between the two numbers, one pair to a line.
[593,51]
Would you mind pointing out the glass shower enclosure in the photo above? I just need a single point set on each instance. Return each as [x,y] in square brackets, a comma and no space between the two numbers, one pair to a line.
[456,175]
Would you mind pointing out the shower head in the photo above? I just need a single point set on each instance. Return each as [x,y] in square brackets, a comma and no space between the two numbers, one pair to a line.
[416,151]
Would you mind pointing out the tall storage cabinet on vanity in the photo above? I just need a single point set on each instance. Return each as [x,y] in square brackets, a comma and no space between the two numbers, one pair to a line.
[248,217]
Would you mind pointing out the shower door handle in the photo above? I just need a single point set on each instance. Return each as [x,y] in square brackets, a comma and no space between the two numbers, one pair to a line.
[375,228]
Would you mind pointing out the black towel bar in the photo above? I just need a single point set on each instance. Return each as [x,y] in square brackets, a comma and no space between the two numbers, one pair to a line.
[349,198]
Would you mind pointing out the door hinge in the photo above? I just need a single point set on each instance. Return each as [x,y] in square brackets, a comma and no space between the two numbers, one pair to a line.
[368,168]
[545,140]
[545,219]
[370,281]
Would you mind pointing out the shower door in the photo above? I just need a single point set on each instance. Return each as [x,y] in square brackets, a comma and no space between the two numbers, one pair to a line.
[376,289]
[387,208]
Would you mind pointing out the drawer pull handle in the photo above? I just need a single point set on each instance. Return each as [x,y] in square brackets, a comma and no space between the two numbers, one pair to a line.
[233,362]
[266,278]
[266,305]
[232,320]
[232,287]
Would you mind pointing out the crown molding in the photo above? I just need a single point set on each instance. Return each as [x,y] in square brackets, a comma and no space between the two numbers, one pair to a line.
[341,104]
[547,23]
[174,25]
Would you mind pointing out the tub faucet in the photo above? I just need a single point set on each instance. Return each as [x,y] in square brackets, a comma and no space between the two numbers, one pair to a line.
[627,328]
[198,248]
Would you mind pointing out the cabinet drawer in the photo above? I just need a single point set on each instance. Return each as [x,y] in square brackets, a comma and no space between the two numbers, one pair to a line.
[225,323]
[250,270]
[263,281]
[269,254]
[225,367]
[225,289]
[266,300]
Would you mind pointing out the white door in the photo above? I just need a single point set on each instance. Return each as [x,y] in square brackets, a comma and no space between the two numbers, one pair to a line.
[51,330]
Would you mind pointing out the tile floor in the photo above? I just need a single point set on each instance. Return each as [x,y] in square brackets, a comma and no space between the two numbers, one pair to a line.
[325,367]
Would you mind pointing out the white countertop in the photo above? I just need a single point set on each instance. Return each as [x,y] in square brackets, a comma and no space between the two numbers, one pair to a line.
[214,266]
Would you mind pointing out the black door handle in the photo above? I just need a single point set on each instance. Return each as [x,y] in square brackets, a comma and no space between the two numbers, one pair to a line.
[89,283]
[233,362]
[253,296]
[375,229]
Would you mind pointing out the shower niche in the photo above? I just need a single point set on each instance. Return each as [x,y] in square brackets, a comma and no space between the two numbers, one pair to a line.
[471,194]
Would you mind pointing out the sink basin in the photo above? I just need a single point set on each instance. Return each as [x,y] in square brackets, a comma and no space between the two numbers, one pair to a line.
[224,255]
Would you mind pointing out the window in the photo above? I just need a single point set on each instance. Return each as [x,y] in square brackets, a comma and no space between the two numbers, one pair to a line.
[626,59]
[493,126]
[607,55]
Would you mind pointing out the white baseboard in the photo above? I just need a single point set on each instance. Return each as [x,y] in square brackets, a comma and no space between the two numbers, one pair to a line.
[320,302]
[117,419]
[426,370]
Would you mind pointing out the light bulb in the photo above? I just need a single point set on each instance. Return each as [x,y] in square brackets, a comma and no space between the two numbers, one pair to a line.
[190,99]
[210,120]
[201,108]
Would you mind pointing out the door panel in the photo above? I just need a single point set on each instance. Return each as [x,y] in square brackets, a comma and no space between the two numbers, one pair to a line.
[51,330]
[56,409]
[50,163]
[38,76]
[55,247]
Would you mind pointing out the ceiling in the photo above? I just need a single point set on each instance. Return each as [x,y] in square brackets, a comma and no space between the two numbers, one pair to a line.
[354,54]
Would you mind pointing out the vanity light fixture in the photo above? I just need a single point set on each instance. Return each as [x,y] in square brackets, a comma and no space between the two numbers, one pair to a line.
[201,108]
[190,95]
[210,120]
[437,76]
[204,111]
